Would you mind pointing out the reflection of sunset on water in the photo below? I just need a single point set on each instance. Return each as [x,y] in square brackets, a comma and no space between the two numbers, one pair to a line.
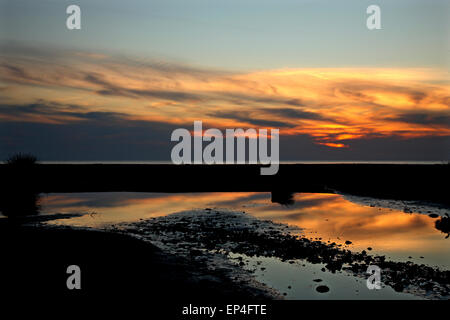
[327,216]
[330,217]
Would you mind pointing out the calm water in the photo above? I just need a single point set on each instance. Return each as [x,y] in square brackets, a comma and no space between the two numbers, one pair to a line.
[327,217]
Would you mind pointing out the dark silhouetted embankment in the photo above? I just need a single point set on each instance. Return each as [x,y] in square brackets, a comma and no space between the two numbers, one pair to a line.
[394,181]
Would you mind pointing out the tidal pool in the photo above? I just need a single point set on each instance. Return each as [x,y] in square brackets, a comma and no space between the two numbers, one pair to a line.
[401,236]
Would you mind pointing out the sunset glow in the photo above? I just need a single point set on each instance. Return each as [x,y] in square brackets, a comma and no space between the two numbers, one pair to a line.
[330,105]
[335,89]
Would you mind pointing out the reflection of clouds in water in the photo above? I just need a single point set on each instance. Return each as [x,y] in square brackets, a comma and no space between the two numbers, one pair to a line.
[241,200]
[413,206]
[94,200]
[308,211]
[328,216]
[126,207]
[344,217]
[385,224]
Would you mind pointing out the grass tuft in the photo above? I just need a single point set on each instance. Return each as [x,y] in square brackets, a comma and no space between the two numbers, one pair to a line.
[22,160]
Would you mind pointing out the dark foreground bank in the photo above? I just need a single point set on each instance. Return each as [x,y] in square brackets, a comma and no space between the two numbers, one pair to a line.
[35,261]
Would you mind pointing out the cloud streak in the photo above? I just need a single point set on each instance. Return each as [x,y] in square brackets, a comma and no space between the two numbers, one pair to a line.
[332,106]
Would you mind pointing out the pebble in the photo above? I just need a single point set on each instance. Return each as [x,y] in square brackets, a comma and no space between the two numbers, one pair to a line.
[322,289]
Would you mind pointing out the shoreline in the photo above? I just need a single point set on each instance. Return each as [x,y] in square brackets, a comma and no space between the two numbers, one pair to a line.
[389,181]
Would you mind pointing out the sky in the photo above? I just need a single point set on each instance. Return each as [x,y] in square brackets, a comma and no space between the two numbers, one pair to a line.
[137,70]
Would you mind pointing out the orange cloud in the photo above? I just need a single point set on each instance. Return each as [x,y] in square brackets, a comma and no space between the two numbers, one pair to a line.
[332,105]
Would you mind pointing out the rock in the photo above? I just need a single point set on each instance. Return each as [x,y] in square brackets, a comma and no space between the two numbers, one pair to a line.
[398,287]
[322,289]
[195,252]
